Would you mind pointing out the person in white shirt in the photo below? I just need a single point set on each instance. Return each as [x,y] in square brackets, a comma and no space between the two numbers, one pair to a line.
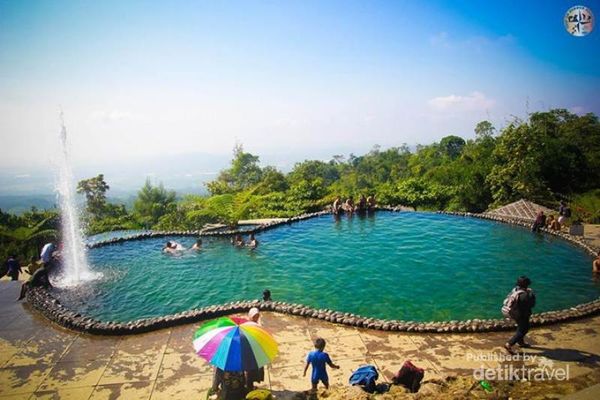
[46,254]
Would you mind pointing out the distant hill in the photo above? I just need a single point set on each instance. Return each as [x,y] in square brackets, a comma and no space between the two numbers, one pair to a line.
[18,204]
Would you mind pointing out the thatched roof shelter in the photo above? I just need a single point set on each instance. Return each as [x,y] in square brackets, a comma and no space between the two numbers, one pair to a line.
[522,210]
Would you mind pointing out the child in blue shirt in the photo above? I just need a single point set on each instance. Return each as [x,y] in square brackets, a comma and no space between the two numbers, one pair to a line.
[318,359]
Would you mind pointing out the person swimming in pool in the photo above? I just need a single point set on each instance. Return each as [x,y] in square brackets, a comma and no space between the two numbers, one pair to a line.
[237,241]
[252,242]
[172,248]
[197,246]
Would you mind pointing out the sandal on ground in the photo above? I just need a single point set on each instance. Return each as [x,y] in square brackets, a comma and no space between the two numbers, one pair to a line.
[508,348]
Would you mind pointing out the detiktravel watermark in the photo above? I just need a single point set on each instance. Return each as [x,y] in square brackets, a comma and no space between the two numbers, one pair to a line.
[530,367]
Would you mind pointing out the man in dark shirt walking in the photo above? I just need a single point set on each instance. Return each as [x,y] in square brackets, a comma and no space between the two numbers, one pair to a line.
[524,304]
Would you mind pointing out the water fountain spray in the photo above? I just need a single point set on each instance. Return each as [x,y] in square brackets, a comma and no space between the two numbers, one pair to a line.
[75,268]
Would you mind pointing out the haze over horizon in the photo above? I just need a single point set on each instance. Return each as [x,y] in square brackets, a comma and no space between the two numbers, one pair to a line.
[165,90]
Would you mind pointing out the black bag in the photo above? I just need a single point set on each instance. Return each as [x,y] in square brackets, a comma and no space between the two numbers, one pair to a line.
[409,376]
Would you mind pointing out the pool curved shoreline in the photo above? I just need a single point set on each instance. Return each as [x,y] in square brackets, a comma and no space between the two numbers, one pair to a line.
[45,303]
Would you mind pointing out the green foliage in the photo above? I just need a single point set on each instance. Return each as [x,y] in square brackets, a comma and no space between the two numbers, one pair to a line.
[244,172]
[553,152]
[152,203]
[100,215]
[418,193]
[452,146]
[95,195]
[586,207]
[25,235]
[112,223]
[272,181]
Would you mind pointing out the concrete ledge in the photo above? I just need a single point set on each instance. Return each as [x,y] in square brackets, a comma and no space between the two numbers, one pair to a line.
[207,232]
[49,306]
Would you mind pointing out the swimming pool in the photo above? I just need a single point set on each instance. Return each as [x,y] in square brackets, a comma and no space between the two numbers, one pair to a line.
[405,266]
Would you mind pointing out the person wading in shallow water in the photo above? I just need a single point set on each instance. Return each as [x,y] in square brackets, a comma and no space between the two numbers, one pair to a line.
[524,303]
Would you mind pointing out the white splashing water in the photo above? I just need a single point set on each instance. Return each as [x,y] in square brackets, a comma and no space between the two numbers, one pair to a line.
[75,268]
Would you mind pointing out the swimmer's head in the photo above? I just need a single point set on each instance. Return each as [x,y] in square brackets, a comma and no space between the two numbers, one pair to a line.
[523,282]
[266,295]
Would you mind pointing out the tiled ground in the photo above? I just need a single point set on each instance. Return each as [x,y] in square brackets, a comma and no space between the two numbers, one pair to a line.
[39,360]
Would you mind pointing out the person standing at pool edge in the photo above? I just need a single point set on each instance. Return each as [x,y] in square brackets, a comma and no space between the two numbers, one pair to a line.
[525,301]
[564,213]
[14,268]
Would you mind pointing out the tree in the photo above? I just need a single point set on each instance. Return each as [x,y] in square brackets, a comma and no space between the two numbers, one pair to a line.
[484,129]
[152,203]
[452,146]
[244,172]
[417,193]
[272,181]
[95,194]
[553,152]
[517,166]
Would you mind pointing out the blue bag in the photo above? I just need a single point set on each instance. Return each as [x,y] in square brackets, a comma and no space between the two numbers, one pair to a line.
[365,377]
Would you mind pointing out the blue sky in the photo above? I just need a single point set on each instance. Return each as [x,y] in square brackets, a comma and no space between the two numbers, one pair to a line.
[289,79]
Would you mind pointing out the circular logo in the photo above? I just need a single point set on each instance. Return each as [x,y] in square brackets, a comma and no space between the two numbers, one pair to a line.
[579,21]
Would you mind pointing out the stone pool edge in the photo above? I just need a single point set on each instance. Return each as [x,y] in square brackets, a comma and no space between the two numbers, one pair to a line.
[51,308]
[209,232]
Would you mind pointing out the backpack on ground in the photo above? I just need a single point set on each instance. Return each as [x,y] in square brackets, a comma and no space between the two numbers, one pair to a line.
[409,376]
[365,377]
[509,306]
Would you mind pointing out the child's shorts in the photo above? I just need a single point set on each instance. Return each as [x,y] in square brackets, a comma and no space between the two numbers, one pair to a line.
[325,381]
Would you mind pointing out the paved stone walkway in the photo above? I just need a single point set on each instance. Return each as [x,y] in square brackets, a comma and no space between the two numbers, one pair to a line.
[40,360]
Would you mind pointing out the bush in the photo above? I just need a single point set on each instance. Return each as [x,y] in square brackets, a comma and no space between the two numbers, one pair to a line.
[586,207]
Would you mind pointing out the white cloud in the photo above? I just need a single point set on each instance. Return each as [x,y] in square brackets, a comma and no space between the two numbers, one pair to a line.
[579,110]
[473,43]
[475,101]
[22,176]
[113,116]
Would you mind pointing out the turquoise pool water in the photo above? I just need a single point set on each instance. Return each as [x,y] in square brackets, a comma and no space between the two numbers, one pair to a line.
[409,266]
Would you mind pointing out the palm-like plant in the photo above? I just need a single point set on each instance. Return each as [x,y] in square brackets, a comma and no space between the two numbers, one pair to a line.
[30,237]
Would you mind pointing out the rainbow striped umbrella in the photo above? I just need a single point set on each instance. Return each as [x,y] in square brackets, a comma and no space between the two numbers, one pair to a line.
[234,344]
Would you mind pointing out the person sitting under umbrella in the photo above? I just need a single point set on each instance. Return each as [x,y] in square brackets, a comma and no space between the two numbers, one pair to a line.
[228,385]
[233,345]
